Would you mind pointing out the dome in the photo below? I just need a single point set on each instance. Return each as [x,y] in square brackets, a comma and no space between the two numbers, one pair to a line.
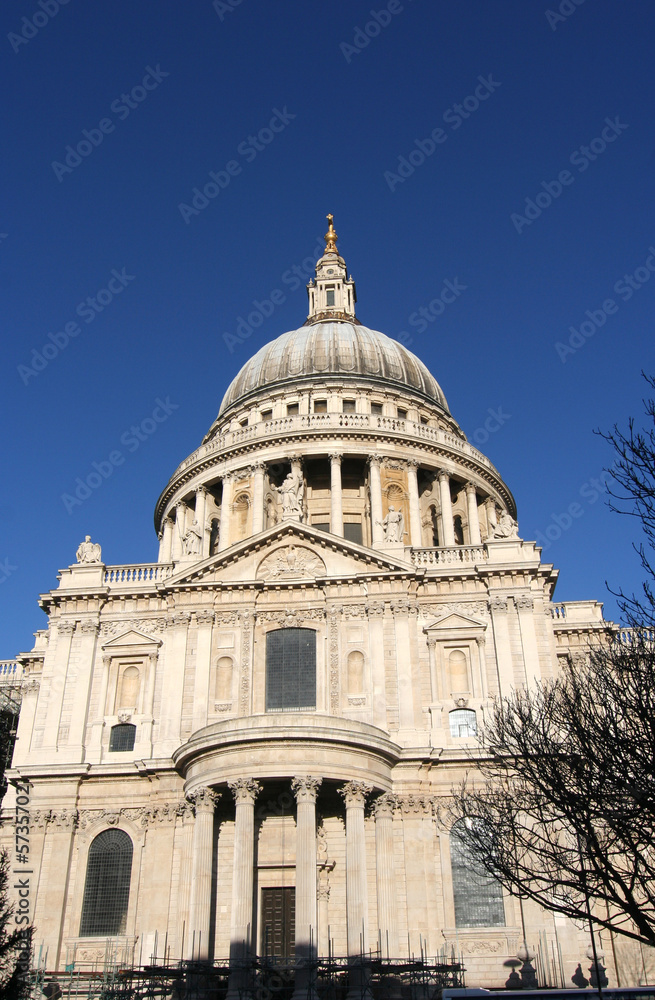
[336,348]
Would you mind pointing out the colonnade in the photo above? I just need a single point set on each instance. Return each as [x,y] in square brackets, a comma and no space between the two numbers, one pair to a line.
[305,790]
[191,523]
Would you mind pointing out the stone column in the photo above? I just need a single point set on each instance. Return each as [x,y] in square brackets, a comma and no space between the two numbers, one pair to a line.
[354,795]
[377,531]
[384,808]
[446,509]
[180,529]
[201,518]
[432,660]
[482,660]
[475,538]
[166,548]
[414,506]
[336,501]
[226,511]
[305,791]
[245,791]
[259,470]
[197,943]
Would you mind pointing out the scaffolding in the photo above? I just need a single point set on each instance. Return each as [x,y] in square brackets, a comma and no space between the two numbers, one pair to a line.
[364,977]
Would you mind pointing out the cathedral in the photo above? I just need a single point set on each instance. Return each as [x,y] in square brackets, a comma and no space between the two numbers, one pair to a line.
[247,747]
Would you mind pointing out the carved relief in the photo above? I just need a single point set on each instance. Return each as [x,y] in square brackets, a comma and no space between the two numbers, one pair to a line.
[290,562]
[333,645]
[246,620]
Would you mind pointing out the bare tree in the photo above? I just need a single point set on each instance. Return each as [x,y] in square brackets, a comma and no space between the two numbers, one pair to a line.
[562,807]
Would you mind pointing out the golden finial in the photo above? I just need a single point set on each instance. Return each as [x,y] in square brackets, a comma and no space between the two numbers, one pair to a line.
[331,237]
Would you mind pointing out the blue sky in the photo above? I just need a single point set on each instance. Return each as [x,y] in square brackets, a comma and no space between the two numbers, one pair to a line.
[507,147]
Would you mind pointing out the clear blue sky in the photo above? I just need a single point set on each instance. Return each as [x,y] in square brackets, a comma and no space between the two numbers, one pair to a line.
[170,92]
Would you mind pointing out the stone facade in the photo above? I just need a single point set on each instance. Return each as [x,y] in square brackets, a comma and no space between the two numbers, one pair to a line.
[334,494]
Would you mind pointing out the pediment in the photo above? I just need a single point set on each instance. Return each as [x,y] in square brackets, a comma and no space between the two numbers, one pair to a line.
[131,638]
[288,552]
[456,622]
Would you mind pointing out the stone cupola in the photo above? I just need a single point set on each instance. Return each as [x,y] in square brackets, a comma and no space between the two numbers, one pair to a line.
[332,293]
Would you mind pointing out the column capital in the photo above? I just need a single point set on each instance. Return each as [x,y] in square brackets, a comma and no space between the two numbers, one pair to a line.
[258,466]
[444,476]
[374,459]
[354,793]
[204,799]
[431,640]
[306,789]
[244,790]
[200,490]
[335,457]
[481,642]
[385,806]
[471,489]
[412,463]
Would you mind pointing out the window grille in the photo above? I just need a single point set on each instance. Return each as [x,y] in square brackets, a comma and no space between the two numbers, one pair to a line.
[107,886]
[478,897]
[290,669]
[122,737]
[463,722]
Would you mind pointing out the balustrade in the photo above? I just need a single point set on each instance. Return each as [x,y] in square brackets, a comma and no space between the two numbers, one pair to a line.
[145,573]
[450,555]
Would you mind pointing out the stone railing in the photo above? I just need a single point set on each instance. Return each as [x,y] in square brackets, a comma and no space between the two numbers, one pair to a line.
[10,672]
[145,574]
[558,611]
[333,421]
[457,555]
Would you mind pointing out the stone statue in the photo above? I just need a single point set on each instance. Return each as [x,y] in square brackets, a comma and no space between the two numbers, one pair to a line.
[88,551]
[507,527]
[394,525]
[291,494]
[192,541]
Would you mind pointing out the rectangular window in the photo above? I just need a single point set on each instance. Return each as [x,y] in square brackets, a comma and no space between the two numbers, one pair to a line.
[329,297]
[424,420]
[244,422]
[348,405]
[292,409]
[402,414]
[376,409]
[290,670]
[321,525]
[353,532]
[320,406]
[267,414]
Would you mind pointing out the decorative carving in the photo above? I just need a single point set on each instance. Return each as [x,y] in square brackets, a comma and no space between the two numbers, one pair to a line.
[291,494]
[306,789]
[192,539]
[385,806]
[481,946]
[333,644]
[472,609]
[222,706]
[32,684]
[226,617]
[524,602]
[204,799]
[417,805]
[65,627]
[290,562]
[461,702]
[246,620]
[498,603]
[88,551]
[89,627]
[357,701]
[179,618]
[354,793]
[507,527]
[205,617]
[375,608]
[244,789]
[290,617]
[354,611]
[124,716]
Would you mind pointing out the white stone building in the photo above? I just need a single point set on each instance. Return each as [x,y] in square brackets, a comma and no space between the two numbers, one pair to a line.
[244,744]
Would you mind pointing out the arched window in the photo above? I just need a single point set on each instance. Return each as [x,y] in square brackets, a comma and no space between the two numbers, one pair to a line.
[463,722]
[290,669]
[477,896]
[458,530]
[224,679]
[122,737]
[107,886]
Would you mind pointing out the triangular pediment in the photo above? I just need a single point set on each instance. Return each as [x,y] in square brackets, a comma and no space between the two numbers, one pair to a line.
[131,638]
[287,553]
[456,622]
